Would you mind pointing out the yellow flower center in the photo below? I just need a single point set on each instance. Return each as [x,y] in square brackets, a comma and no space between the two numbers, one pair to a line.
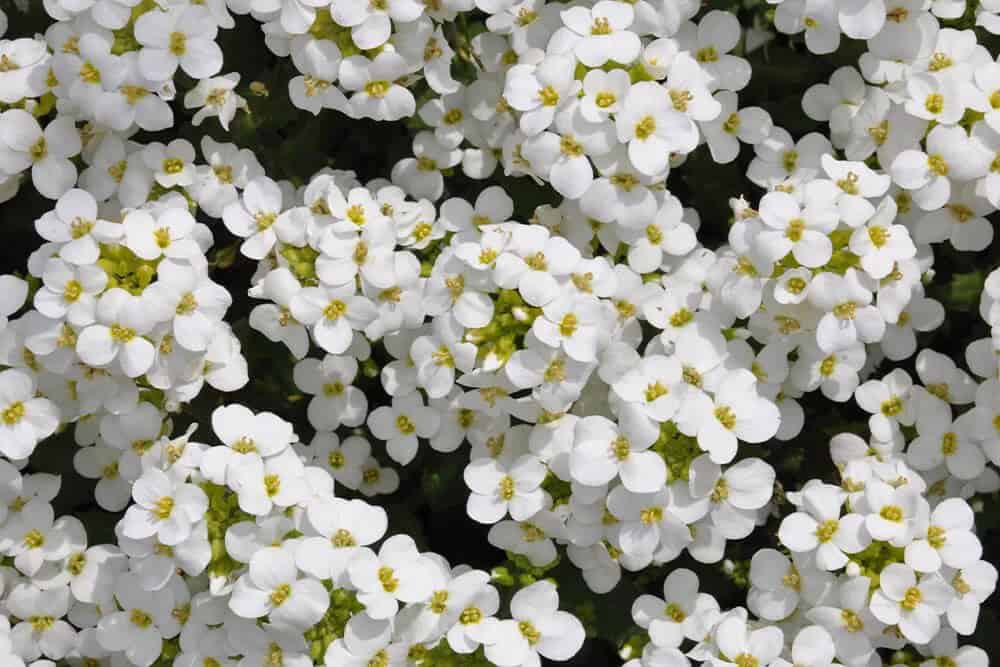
[826,530]
[377,89]
[645,128]
[892,513]
[549,96]
[13,413]
[272,485]
[334,310]
[507,487]
[140,619]
[911,599]
[163,508]
[178,43]
[726,417]
[604,99]
[387,578]
[404,425]
[934,103]
[280,595]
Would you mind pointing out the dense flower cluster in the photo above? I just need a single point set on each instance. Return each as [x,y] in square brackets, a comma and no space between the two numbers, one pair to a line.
[608,377]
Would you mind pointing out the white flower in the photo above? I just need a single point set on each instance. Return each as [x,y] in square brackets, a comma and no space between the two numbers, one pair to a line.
[345,527]
[377,95]
[671,618]
[397,574]
[319,62]
[136,629]
[273,587]
[779,585]
[122,321]
[23,144]
[742,645]
[401,424]
[538,627]
[42,632]
[811,646]
[604,34]
[539,91]
[736,412]
[24,418]
[916,607]
[603,451]
[215,97]
[653,128]
[164,507]
[948,540]
[180,36]
[822,528]
[893,512]
[849,316]
[172,164]
[333,313]
[335,400]
[880,244]
[23,75]
[13,292]
[499,487]
[801,231]
[263,484]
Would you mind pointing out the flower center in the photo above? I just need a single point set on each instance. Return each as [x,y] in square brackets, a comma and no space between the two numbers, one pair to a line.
[621,448]
[726,417]
[404,425]
[879,236]
[377,89]
[795,230]
[949,443]
[272,485]
[707,54]
[470,616]
[386,577]
[645,128]
[163,508]
[892,513]
[529,632]
[280,595]
[845,311]
[343,539]
[568,325]
[39,150]
[826,530]
[507,487]
[173,165]
[13,413]
[334,310]
[601,26]
[934,103]
[549,96]
[34,539]
[121,334]
[89,73]
[937,164]
[178,43]
[651,515]
[140,619]
[674,613]
[912,598]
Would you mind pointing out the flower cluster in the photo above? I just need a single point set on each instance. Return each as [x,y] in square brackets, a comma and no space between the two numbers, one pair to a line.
[615,386]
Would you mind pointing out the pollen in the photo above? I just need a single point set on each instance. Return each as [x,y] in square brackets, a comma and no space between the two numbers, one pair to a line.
[178,43]
[377,89]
